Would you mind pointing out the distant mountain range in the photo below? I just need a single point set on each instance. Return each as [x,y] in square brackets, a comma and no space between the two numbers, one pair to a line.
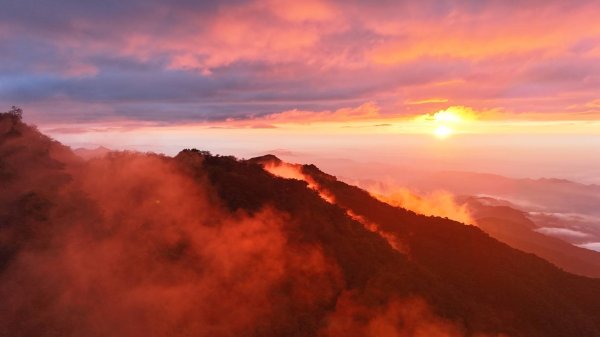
[559,208]
[85,153]
[131,244]
[515,228]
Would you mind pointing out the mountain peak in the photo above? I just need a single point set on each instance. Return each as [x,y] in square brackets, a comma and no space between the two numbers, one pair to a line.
[265,159]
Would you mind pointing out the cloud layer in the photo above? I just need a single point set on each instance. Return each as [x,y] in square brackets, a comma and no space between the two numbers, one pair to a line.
[174,61]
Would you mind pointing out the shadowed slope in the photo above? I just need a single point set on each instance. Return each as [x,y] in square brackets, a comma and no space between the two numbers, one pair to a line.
[499,287]
[514,228]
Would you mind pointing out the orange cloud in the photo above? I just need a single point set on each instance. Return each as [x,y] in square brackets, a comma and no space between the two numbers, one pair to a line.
[486,35]
[426,101]
[279,31]
[302,11]
[366,111]
[436,203]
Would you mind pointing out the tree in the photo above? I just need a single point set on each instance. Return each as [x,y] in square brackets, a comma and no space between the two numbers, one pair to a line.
[16,112]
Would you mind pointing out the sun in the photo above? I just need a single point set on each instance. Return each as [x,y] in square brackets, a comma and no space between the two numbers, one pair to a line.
[443,131]
[448,122]
[452,116]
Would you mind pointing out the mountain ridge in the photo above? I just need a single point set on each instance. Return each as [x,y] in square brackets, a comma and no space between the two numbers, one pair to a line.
[116,237]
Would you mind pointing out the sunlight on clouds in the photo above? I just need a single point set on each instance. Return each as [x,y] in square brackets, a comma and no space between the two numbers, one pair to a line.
[363,119]
[427,101]
[453,114]
[444,123]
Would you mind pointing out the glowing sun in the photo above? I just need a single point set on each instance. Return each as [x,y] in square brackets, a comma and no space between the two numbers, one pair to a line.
[448,122]
[443,131]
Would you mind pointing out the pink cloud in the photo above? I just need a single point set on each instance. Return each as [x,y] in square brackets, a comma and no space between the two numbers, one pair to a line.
[366,111]
[539,57]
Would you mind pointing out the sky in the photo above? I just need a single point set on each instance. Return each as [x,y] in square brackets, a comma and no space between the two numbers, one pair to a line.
[241,77]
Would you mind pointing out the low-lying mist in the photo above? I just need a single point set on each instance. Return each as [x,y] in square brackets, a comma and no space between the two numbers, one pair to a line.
[138,249]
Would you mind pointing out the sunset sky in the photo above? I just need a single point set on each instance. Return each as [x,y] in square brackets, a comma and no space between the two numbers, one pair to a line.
[261,75]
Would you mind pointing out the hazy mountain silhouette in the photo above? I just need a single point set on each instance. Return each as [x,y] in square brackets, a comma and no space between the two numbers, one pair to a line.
[514,227]
[133,244]
[86,154]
